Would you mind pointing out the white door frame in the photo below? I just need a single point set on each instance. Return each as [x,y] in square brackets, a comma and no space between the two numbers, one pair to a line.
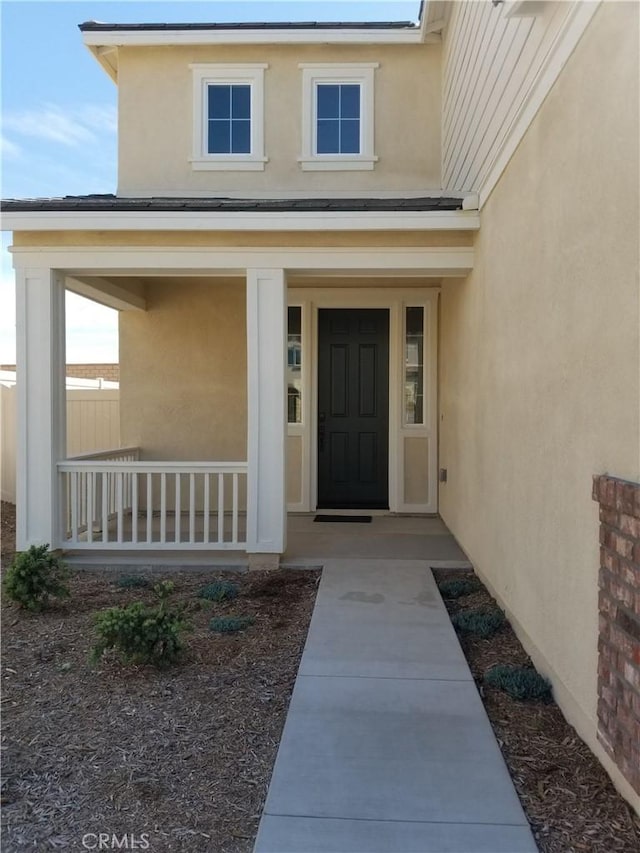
[311,299]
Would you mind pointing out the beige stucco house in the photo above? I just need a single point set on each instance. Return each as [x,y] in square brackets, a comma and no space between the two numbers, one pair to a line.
[367,266]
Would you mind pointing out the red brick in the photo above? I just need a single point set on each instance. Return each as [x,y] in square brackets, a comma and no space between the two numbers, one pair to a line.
[622,593]
[607,605]
[629,573]
[628,524]
[629,492]
[610,561]
[609,516]
[629,623]
[622,545]
[636,553]
[609,697]
[606,491]
[621,641]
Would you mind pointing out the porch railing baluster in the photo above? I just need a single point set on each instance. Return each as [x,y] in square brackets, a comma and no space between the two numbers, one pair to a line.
[103,491]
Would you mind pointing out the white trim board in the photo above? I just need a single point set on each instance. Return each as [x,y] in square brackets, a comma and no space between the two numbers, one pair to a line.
[313,299]
[220,220]
[409,261]
[95,40]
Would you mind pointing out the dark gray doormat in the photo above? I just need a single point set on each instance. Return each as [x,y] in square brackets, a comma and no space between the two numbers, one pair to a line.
[345,519]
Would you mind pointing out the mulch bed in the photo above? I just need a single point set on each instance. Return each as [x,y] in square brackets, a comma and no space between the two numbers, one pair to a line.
[183,754]
[568,798]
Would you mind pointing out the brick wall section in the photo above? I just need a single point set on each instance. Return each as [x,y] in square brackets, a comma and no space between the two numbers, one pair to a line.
[619,640]
[110,372]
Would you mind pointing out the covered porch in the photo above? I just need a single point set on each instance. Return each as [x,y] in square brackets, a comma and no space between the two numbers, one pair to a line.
[225,480]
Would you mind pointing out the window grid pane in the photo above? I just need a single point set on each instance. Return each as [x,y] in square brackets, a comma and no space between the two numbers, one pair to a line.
[338,118]
[229,119]
[294,366]
[414,366]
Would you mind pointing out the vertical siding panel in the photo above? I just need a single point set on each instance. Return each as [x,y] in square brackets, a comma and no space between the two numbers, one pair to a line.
[490,63]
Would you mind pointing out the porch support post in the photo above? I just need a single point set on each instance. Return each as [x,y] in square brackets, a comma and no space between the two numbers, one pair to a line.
[266,422]
[41,421]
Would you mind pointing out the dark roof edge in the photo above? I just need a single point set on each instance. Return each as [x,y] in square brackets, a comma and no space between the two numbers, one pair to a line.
[97,26]
[115,204]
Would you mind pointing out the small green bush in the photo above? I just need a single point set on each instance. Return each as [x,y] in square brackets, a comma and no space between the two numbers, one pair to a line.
[219,591]
[520,682]
[230,624]
[35,575]
[133,582]
[458,588]
[140,633]
[483,622]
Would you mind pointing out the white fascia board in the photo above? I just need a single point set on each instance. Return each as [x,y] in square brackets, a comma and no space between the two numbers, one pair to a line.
[446,220]
[147,38]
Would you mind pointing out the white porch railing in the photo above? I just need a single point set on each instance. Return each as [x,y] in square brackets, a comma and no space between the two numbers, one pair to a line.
[114,501]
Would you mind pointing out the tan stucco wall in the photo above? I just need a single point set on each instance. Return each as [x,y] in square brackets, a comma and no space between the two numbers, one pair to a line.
[183,371]
[540,348]
[155,118]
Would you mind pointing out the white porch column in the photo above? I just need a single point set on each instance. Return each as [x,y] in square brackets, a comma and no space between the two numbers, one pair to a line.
[266,402]
[41,433]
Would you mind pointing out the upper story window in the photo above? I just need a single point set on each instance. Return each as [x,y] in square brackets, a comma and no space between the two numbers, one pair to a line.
[337,116]
[228,117]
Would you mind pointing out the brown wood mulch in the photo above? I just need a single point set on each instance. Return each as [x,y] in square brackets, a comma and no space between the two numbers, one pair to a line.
[183,754]
[568,798]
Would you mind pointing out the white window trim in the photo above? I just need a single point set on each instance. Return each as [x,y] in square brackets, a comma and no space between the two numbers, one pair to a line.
[228,74]
[359,73]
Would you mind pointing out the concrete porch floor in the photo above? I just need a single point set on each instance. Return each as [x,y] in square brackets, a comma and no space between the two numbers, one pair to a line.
[310,543]
[386,537]
[387,747]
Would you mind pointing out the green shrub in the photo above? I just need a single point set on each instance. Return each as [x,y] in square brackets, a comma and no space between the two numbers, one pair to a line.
[133,582]
[219,591]
[230,624]
[458,588]
[35,575]
[140,633]
[520,682]
[483,622]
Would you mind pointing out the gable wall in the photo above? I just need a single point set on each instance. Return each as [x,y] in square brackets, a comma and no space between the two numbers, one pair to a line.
[155,120]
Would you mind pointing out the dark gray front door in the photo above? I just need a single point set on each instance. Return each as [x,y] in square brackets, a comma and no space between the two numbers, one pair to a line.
[353,408]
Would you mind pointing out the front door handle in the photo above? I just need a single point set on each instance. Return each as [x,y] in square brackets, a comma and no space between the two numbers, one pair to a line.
[321,431]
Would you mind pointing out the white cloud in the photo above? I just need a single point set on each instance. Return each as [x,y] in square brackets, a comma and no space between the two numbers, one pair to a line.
[73,127]
[10,150]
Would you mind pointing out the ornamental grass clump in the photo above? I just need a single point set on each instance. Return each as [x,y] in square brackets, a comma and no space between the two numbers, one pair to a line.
[483,622]
[458,588]
[133,582]
[230,624]
[139,633]
[519,682]
[219,591]
[34,576]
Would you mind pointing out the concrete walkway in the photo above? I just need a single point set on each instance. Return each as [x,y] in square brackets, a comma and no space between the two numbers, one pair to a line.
[386,746]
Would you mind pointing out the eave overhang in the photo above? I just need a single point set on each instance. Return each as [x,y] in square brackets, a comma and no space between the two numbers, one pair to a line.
[382,220]
[103,40]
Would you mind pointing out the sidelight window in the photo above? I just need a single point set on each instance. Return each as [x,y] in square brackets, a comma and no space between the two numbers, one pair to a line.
[414,366]
[294,365]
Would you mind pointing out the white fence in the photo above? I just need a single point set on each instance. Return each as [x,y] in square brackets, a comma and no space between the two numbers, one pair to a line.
[93,423]
[114,501]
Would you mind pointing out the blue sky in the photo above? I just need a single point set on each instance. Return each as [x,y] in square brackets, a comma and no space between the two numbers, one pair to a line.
[58,119]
